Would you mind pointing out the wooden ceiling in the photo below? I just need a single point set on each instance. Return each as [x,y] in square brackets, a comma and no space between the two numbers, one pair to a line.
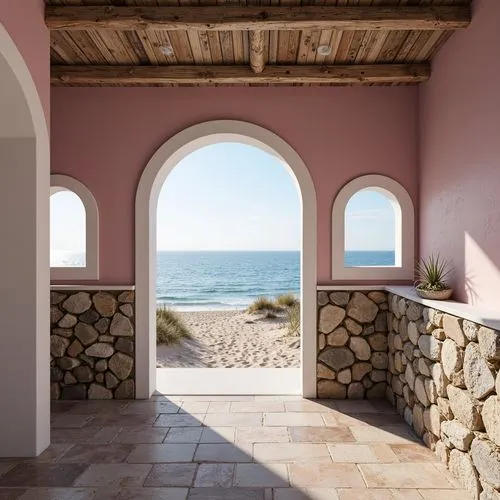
[235,42]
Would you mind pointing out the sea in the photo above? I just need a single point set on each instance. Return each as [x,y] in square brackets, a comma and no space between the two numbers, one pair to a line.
[200,281]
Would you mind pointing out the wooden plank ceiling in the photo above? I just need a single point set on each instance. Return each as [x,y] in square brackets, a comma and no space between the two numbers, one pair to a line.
[248,42]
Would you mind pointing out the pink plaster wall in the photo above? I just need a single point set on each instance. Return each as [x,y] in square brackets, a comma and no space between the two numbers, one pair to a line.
[24,21]
[105,137]
[460,157]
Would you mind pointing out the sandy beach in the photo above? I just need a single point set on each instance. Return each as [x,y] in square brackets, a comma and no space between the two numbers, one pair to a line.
[232,339]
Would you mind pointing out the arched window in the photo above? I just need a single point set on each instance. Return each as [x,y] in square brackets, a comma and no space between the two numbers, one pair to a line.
[373,230]
[74,229]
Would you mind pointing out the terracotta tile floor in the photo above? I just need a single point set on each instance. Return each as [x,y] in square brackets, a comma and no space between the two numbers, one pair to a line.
[234,448]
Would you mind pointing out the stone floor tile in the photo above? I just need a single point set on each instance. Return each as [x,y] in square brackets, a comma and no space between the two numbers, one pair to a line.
[257,406]
[214,476]
[51,455]
[229,398]
[305,494]
[259,475]
[59,494]
[325,476]
[262,435]
[394,434]
[362,453]
[194,407]
[219,407]
[320,435]
[32,475]
[316,406]
[150,408]
[62,406]
[278,397]
[221,453]
[293,419]
[445,494]
[11,493]
[69,421]
[184,435]
[91,453]
[105,435]
[369,419]
[349,406]
[218,435]
[6,467]
[93,407]
[72,436]
[378,494]
[141,494]
[171,475]
[114,475]
[403,475]
[119,420]
[227,494]
[232,419]
[184,420]
[161,453]
[291,452]
[414,453]
[141,435]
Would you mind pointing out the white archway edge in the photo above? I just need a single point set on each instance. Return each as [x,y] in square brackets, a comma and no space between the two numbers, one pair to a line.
[151,182]
[91,270]
[404,231]
[24,259]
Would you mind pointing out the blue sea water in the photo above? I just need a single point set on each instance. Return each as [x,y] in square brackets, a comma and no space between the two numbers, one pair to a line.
[232,280]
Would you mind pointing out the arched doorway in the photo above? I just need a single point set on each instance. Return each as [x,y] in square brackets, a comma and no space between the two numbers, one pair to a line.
[152,179]
[24,259]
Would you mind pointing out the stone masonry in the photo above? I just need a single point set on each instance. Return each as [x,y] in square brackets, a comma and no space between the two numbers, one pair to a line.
[92,344]
[352,344]
[444,380]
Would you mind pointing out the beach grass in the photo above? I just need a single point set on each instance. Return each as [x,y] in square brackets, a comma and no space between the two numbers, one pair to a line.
[293,314]
[264,304]
[170,327]
[287,300]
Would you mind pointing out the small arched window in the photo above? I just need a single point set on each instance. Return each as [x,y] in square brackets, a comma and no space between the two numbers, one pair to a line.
[373,230]
[74,229]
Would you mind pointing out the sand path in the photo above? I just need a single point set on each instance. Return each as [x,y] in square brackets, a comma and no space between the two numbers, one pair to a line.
[232,339]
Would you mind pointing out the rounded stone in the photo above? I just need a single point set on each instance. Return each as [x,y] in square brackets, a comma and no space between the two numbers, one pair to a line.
[321,342]
[84,374]
[127,310]
[67,321]
[121,326]
[453,329]
[353,327]
[379,360]
[111,380]
[486,458]
[414,311]
[465,408]
[338,337]
[378,341]
[99,378]
[126,390]
[377,297]
[330,317]
[331,389]
[438,333]
[100,350]
[470,330]
[491,418]
[432,420]
[86,334]
[456,434]
[102,325]
[410,376]
[461,467]
[361,308]
[89,317]
[413,333]
[430,347]
[356,390]
[56,298]
[105,304]
[360,347]
[439,379]
[322,298]
[451,358]
[344,376]
[323,371]
[101,365]
[489,343]
[479,379]
[55,315]
[58,346]
[128,296]
[339,298]
[77,303]
[377,376]
[69,379]
[418,419]
[420,391]
[359,370]
[97,391]
[381,322]
[75,349]
[337,358]
[424,367]
[121,365]
[67,363]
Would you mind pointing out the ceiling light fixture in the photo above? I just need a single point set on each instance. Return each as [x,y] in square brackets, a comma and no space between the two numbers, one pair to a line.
[324,50]
[167,50]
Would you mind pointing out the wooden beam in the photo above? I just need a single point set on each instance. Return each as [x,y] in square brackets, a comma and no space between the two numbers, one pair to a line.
[158,75]
[234,18]
[257,41]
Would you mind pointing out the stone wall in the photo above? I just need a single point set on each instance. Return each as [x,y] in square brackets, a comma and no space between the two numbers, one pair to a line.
[444,380]
[352,344]
[92,344]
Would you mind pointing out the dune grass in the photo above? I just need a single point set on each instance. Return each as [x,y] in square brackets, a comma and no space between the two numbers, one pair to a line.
[293,314]
[286,300]
[170,327]
[264,304]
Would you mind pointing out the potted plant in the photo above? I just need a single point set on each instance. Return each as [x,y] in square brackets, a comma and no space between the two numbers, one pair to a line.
[432,273]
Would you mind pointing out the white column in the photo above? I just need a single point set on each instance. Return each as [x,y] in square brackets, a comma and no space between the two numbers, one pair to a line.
[24,299]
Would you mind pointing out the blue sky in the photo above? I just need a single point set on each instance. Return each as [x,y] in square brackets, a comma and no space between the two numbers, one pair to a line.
[231,197]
